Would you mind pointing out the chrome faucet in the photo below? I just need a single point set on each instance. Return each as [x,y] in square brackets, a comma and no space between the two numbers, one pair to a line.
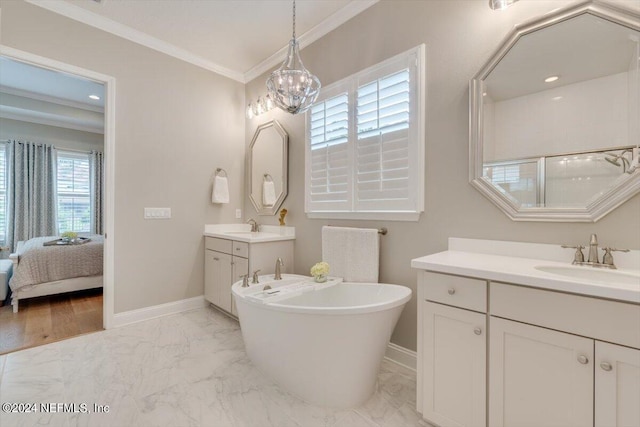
[279,265]
[593,258]
[254,225]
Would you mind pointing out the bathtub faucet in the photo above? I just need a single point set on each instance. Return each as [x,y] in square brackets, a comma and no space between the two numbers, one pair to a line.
[279,265]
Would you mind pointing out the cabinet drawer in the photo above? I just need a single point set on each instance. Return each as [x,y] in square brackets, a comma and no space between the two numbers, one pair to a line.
[605,320]
[241,249]
[456,291]
[220,245]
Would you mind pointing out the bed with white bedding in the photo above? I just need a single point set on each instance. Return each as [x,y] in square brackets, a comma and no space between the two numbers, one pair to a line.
[40,270]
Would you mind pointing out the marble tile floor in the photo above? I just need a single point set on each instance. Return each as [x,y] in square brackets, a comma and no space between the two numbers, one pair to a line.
[187,369]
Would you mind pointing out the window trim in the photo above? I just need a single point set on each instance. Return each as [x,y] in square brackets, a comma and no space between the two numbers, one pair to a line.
[350,84]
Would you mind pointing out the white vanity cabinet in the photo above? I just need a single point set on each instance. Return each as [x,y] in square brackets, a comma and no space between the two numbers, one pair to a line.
[539,377]
[553,358]
[617,385]
[453,350]
[225,260]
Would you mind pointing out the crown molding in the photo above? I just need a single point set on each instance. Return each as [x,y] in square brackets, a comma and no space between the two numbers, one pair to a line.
[331,23]
[47,119]
[84,16]
[51,99]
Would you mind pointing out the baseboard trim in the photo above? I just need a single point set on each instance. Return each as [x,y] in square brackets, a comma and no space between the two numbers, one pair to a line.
[402,356]
[148,313]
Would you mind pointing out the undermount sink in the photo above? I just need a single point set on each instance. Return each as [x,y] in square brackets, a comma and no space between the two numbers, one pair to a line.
[611,277]
[243,233]
[251,233]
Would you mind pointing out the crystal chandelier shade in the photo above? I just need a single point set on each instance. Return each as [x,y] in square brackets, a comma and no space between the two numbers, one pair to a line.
[291,87]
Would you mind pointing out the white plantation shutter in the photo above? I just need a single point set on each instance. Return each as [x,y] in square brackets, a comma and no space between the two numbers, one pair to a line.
[365,144]
[383,144]
[329,183]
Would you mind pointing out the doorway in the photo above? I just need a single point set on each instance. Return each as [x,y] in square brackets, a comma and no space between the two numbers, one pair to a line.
[84,299]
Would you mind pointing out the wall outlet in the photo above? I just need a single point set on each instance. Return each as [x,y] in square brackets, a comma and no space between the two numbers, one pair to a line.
[238,213]
[157,213]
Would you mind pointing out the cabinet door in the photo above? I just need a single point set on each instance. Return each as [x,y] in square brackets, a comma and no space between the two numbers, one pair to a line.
[211,260]
[454,366]
[539,377]
[617,386]
[240,268]
[217,273]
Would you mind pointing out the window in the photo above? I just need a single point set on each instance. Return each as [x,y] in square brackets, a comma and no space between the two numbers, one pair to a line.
[3,193]
[73,192]
[365,144]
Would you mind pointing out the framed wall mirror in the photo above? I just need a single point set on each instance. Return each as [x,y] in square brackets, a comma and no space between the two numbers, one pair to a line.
[268,162]
[554,116]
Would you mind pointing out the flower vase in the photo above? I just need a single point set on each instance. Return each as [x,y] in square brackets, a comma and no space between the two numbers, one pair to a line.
[320,278]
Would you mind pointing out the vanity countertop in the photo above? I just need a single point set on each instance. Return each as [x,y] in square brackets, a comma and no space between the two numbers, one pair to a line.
[243,233]
[622,284]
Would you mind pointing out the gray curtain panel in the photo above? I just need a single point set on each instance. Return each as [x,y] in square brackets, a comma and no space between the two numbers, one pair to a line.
[32,203]
[96,165]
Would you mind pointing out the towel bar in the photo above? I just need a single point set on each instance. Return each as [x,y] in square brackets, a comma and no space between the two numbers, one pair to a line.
[383,231]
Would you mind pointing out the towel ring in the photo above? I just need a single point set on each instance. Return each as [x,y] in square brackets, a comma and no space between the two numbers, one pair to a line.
[221,172]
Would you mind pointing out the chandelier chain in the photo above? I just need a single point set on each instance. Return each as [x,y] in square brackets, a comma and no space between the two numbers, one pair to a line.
[294,19]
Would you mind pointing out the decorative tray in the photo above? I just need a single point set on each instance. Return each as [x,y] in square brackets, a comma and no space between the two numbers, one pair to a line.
[67,242]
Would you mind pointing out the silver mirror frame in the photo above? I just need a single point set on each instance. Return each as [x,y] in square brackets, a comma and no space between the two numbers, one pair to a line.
[257,204]
[598,208]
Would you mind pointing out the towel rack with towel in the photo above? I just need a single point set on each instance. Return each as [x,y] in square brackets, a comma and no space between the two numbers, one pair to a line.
[220,193]
[269,195]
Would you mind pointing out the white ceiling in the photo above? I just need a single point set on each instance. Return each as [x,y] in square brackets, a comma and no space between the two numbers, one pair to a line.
[237,38]
[20,78]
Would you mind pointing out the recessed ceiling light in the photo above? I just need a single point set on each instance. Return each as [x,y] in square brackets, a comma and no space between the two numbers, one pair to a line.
[551,79]
[484,93]
[96,97]
[556,98]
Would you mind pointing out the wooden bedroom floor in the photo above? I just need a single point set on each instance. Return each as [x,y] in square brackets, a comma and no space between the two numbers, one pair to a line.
[52,318]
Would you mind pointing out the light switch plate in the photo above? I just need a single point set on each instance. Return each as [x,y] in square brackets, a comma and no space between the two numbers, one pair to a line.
[157,213]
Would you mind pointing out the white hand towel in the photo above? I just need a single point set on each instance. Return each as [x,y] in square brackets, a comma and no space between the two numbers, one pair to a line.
[352,253]
[268,193]
[220,190]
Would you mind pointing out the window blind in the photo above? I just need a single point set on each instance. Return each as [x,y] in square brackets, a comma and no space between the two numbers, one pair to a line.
[3,193]
[73,192]
[329,136]
[382,157]
[365,143]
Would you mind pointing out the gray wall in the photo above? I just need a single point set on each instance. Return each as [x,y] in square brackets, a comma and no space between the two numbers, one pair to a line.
[460,36]
[175,123]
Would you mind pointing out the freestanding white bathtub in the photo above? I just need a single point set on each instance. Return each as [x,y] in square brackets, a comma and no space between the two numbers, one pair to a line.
[325,344]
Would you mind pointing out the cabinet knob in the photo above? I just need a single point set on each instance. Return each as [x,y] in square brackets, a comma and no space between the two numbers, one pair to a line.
[451,291]
[583,359]
[216,259]
[606,366]
[237,249]
[477,331]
